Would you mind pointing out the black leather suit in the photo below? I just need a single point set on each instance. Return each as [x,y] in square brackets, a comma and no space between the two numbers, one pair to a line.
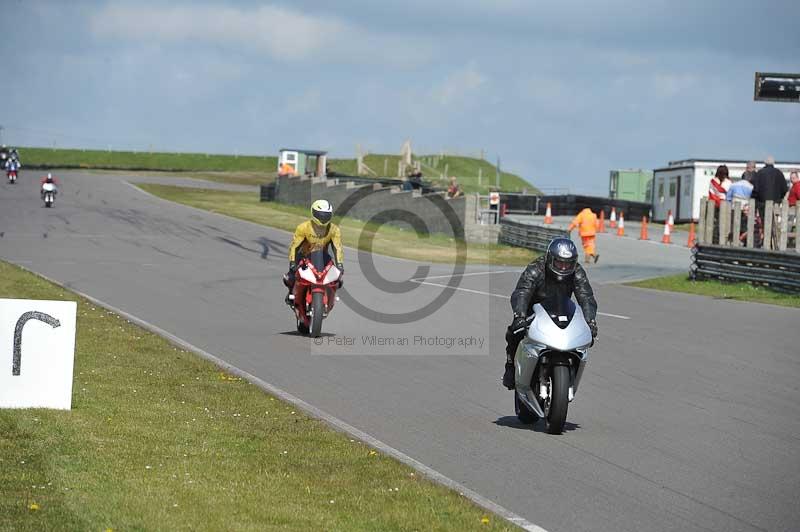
[537,284]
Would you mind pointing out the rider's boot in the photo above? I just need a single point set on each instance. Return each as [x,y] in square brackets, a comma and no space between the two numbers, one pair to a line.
[508,376]
[288,282]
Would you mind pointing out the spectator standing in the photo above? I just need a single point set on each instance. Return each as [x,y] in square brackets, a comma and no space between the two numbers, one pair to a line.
[749,171]
[769,184]
[720,183]
[740,192]
[794,192]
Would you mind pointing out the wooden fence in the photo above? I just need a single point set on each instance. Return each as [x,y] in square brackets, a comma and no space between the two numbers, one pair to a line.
[735,225]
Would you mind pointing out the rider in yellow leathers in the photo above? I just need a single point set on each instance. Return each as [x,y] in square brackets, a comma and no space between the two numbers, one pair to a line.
[312,235]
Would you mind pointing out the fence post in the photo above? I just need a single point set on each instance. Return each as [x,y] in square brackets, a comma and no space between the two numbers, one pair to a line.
[751,223]
[784,227]
[768,215]
[701,222]
[797,228]
[708,237]
[724,222]
[736,230]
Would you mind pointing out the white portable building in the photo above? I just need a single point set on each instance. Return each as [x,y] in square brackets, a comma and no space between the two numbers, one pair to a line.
[681,185]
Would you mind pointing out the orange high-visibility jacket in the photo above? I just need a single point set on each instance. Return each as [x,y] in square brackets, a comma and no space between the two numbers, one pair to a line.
[586,222]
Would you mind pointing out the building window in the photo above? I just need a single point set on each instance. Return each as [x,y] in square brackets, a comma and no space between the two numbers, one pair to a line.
[672,189]
[660,189]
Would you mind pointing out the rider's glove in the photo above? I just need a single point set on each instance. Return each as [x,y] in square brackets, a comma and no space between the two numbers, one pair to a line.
[340,267]
[519,323]
[593,328]
[292,266]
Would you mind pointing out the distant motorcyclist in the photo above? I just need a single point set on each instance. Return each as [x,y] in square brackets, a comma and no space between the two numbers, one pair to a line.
[312,235]
[556,274]
[12,165]
[48,179]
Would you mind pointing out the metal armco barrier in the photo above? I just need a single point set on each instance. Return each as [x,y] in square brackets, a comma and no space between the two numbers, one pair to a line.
[571,204]
[529,236]
[780,271]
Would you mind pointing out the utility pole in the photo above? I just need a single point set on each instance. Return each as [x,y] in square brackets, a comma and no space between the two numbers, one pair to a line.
[1,134]
[497,174]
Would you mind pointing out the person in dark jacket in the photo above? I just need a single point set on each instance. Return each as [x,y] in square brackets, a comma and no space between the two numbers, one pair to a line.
[769,184]
[556,274]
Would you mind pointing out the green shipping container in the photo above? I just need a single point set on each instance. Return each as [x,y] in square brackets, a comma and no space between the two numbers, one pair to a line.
[632,185]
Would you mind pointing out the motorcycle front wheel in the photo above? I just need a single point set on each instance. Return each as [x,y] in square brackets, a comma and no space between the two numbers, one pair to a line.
[556,410]
[317,309]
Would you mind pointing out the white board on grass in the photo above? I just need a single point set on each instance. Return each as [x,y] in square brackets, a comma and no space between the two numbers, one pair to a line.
[37,353]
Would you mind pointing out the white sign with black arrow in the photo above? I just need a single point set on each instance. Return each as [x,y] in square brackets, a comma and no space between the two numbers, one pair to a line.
[37,353]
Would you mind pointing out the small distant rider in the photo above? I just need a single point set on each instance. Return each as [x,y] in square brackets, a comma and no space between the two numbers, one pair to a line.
[317,233]
[48,179]
[556,274]
[12,165]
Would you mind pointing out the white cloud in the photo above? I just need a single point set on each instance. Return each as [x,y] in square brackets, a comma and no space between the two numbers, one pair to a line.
[459,84]
[282,33]
[670,84]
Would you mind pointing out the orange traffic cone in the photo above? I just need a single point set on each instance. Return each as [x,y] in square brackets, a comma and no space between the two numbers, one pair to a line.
[613,220]
[548,214]
[643,234]
[666,238]
[621,224]
[602,226]
[690,243]
[670,220]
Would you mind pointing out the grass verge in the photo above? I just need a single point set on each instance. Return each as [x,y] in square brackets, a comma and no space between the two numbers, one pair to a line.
[159,439]
[387,240]
[250,169]
[717,289]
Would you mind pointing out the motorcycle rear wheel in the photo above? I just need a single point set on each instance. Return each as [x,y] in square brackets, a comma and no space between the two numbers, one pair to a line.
[317,309]
[559,400]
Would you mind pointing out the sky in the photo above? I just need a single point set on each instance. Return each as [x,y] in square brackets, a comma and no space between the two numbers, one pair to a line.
[560,92]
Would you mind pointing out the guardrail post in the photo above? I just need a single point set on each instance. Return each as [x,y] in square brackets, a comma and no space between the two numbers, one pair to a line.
[751,223]
[736,230]
[768,210]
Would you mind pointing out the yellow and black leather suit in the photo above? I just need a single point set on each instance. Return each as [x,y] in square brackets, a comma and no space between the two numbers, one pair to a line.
[309,237]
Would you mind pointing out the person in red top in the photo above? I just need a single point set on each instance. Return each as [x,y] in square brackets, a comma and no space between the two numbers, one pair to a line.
[720,183]
[794,192]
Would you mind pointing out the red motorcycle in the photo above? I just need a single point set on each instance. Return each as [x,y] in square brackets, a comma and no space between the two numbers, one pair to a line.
[12,176]
[314,294]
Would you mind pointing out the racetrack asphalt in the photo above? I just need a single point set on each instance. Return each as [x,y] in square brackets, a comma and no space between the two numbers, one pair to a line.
[688,415]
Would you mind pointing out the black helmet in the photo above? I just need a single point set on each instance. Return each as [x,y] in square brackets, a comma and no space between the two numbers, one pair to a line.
[561,258]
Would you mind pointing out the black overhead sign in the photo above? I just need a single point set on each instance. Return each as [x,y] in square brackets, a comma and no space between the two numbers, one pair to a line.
[772,87]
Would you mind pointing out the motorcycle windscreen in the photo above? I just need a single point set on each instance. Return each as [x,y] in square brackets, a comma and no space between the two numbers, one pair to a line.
[560,309]
[544,330]
[319,259]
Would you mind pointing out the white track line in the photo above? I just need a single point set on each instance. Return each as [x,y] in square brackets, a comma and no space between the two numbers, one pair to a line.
[463,275]
[313,411]
[504,296]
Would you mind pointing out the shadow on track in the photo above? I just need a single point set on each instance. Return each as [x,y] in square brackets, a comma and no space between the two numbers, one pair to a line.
[514,423]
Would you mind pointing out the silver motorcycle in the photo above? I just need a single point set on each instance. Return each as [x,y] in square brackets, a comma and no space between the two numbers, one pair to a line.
[550,361]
